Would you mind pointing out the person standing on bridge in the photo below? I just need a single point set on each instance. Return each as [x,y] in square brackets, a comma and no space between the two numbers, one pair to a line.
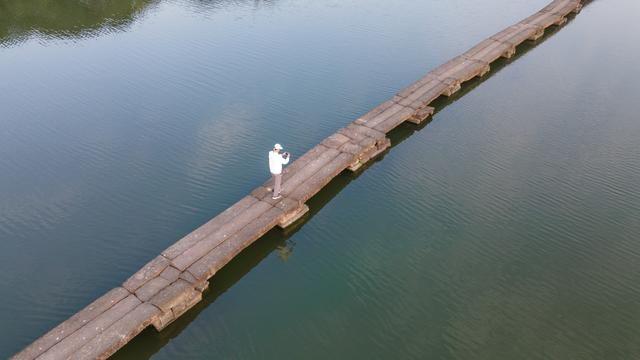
[276,159]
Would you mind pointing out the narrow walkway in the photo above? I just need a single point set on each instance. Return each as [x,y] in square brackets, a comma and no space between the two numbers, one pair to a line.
[173,282]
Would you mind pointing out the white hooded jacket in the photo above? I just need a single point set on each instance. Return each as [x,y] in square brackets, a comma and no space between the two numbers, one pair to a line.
[276,161]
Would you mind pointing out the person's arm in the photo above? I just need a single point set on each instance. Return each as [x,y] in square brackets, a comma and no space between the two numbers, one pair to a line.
[286,161]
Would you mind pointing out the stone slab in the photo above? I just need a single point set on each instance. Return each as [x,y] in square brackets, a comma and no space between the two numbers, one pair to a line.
[210,226]
[205,245]
[306,158]
[370,154]
[418,105]
[361,151]
[281,203]
[187,276]
[375,112]
[519,33]
[225,252]
[334,141]
[82,336]
[354,136]
[416,85]
[172,295]
[393,121]
[453,85]
[170,273]
[562,8]
[261,193]
[369,143]
[384,116]
[424,95]
[74,323]
[183,307]
[186,301]
[268,198]
[252,233]
[163,320]
[287,205]
[151,270]
[293,217]
[505,34]
[421,115]
[543,19]
[200,285]
[118,334]
[447,66]
[321,178]
[461,69]
[351,148]
[152,287]
[301,175]
[481,47]
[489,51]
[367,131]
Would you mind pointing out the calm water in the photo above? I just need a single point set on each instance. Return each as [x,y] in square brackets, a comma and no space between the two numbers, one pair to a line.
[507,228]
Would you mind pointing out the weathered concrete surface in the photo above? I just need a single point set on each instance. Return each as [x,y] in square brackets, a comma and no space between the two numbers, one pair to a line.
[293,216]
[517,34]
[375,112]
[335,141]
[74,323]
[80,337]
[200,248]
[489,51]
[188,241]
[148,272]
[217,258]
[461,69]
[118,334]
[173,301]
[322,177]
[152,287]
[173,282]
[392,121]
[422,114]
[170,274]
[312,167]
[422,95]
[563,8]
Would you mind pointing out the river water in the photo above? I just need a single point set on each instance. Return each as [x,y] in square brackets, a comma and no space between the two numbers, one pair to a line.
[507,228]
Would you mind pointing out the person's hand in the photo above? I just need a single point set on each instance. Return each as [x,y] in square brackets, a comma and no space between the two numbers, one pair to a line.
[285,155]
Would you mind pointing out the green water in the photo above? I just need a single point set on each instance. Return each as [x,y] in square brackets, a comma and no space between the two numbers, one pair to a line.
[506,228]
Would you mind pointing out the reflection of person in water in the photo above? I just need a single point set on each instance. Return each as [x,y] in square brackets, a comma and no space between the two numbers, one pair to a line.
[285,250]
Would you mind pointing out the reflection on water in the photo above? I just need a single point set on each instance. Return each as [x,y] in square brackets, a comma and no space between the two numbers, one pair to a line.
[283,242]
[45,19]
[21,19]
[504,229]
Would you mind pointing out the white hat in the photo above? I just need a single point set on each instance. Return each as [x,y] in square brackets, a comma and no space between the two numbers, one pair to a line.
[277,147]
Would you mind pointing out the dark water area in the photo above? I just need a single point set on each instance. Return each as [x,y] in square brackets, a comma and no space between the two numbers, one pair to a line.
[506,228]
